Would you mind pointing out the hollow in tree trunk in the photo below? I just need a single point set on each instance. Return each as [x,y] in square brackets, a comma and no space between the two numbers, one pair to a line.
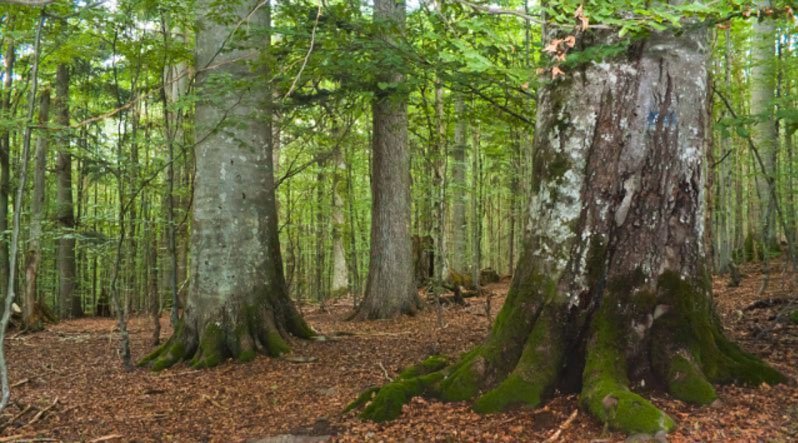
[237,304]
[612,292]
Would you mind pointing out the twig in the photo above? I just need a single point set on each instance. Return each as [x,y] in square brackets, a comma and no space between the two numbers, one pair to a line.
[565,425]
[385,372]
[105,438]
[16,417]
[20,383]
[307,55]
[41,413]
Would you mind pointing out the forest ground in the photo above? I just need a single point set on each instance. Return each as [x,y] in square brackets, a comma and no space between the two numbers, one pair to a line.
[70,386]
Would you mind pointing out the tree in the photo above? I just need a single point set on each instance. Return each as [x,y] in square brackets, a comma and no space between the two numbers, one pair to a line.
[68,297]
[390,289]
[613,288]
[237,303]
[31,315]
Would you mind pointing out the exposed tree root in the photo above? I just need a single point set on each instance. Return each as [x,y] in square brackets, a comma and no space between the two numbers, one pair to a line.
[210,343]
[687,352]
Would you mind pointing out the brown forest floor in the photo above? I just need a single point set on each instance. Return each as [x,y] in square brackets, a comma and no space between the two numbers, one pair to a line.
[72,373]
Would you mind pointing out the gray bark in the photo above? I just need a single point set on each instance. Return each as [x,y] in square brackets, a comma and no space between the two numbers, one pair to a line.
[68,296]
[237,303]
[459,188]
[390,289]
[30,318]
[764,135]
[340,280]
[5,169]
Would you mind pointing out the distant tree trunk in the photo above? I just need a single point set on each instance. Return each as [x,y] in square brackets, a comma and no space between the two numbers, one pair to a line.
[476,209]
[340,280]
[459,189]
[440,267]
[320,235]
[613,289]
[724,205]
[352,222]
[237,302]
[31,316]
[67,280]
[5,167]
[764,135]
[390,289]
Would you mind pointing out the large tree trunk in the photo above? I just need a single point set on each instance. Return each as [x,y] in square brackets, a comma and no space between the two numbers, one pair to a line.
[237,303]
[390,289]
[612,291]
[68,296]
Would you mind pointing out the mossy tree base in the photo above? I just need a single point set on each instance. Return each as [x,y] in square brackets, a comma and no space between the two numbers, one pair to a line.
[241,337]
[616,355]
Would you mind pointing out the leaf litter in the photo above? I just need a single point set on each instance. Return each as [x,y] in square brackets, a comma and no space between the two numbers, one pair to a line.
[71,387]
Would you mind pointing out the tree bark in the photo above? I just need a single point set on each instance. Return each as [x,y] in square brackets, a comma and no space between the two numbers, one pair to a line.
[31,316]
[68,296]
[390,289]
[612,291]
[237,303]
[5,168]
[764,134]
[459,188]
[340,277]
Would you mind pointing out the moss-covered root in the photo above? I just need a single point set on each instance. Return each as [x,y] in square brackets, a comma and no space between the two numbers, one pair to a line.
[690,349]
[605,391]
[216,341]
[385,403]
[535,373]
[171,352]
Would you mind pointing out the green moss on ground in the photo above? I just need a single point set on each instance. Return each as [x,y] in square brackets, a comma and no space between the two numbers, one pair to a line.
[387,404]
[430,364]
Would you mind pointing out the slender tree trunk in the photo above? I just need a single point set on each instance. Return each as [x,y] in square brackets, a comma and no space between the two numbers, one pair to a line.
[476,209]
[613,289]
[5,168]
[67,287]
[30,314]
[340,279]
[237,305]
[390,289]
[764,134]
[459,188]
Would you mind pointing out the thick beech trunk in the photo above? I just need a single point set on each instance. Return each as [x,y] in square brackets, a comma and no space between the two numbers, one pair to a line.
[390,289]
[612,291]
[237,303]
[459,189]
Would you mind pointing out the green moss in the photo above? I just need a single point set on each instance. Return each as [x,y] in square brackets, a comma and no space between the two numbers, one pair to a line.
[605,393]
[387,405]
[275,344]
[536,370]
[166,355]
[692,324]
[687,383]
[211,347]
[793,316]
[460,279]
[363,398]
[247,356]
[428,365]
[462,382]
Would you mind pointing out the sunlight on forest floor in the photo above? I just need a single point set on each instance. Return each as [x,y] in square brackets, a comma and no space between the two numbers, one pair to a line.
[72,371]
